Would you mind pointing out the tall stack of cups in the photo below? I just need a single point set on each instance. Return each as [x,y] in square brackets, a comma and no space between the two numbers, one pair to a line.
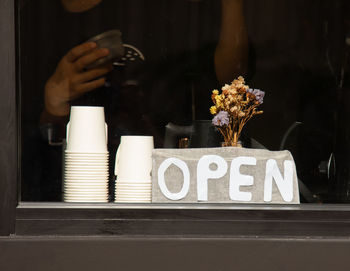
[133,166]
[86,156]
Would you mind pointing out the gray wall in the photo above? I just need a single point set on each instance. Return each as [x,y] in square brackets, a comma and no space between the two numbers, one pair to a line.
[109,253]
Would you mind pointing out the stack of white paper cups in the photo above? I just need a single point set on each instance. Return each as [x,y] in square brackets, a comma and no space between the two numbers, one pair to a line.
[133,166]
[86,156]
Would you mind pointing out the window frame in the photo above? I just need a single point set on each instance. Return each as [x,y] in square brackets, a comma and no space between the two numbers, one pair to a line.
[206,220]
[8,117]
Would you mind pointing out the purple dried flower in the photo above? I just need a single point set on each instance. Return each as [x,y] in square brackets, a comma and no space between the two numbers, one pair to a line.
[221,119]
[259,94]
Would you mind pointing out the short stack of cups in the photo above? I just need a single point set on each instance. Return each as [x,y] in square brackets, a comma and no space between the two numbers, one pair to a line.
[133,166]
[86,156]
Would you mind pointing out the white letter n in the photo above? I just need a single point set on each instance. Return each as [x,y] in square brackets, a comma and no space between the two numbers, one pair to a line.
[285,185]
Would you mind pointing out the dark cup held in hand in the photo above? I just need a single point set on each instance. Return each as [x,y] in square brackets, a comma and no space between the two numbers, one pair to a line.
[111,40]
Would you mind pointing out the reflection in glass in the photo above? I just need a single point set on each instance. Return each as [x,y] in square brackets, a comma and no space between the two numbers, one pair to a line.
[174,53]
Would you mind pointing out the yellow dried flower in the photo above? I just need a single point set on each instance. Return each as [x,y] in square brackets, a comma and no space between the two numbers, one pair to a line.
[215,91]
[213,110]
[218,100]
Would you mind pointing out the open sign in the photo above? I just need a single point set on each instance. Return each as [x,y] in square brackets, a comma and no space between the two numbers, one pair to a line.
[219,175]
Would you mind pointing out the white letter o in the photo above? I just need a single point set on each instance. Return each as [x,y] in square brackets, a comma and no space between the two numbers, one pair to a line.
[161,181]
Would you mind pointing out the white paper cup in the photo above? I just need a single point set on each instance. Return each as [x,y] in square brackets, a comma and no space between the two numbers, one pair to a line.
[87,184]
[134,185]
[85,193]
[133,197]
[87,187]
[134,158]
[86,156]
[119,197]
[87,179]
[136,182]
[92,196]
[82,160]
[82,199]
[77,180]
[86,162]
[86,196]
[130,186]
[96,173]
[127,193]
[128,190]
[87,130]
[86,168]
[132,201]
[70,199]
[85,201]
[100,172]
[85,165]
[137,192]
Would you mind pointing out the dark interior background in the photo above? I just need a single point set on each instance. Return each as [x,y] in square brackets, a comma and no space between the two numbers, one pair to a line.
[300,59]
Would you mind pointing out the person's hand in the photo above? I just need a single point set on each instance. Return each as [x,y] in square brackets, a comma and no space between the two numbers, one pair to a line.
[71,78]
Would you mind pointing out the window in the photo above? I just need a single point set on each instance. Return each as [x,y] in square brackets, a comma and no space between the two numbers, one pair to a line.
[297,55]
[297,52]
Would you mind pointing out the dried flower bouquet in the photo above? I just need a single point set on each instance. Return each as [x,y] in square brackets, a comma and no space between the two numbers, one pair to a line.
[233,108]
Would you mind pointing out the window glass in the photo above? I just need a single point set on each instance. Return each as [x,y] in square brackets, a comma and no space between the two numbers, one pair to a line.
[164,60]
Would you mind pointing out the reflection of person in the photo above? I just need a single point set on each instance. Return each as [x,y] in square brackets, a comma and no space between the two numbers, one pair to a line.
[71,80]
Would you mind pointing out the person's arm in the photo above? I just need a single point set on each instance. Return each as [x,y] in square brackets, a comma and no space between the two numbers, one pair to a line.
[231,54]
